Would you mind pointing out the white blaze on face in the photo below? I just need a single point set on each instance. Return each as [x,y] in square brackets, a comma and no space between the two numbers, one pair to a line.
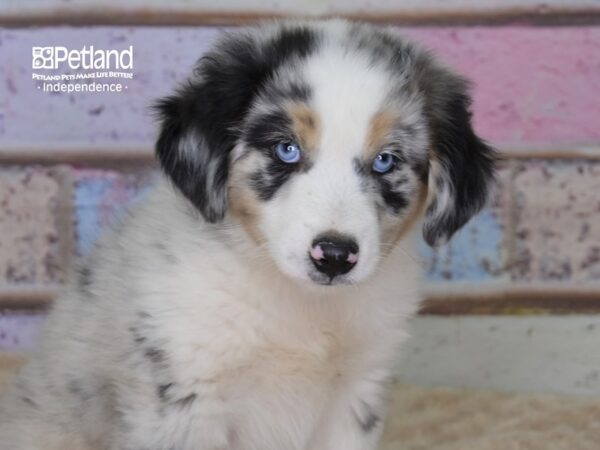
[347,92]
[345,95]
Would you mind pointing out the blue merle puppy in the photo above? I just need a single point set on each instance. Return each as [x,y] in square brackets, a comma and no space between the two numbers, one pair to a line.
[257,299]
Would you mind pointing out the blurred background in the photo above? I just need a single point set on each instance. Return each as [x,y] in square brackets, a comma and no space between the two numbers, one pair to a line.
[511,302]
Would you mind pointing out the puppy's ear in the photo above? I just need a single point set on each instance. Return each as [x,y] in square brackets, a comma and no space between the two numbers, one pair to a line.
[200,124]
[461,166]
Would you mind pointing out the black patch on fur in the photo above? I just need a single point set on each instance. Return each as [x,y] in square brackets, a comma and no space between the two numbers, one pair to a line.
[85,281]
[167,391]
[369,423]
[395,200]
[267,182]
[138,338]
[421,168]
[75,388]
[149,349]
[186,401]
[28,401]
[263,133]
[276,94]
[25,393]
[386,184]
[382,47]
[367,419]
[162,391]
[156,355]
[378,44]
[466,161]
[212,106]
[85,277]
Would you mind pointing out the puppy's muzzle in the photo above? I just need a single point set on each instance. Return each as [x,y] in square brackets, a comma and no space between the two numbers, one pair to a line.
[334,255]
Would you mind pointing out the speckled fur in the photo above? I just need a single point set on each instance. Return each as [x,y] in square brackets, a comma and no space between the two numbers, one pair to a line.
[195,326]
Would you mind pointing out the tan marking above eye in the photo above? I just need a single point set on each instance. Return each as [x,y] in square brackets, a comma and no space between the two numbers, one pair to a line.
[305,125]
[380,128]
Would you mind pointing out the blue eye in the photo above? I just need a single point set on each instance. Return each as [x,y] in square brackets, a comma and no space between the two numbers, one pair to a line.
[288,152]
[383,162]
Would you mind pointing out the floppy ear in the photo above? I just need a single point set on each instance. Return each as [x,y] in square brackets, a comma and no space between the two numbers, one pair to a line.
[200,124]
[461,166]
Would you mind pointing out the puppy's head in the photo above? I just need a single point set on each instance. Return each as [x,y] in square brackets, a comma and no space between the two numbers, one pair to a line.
[325,141]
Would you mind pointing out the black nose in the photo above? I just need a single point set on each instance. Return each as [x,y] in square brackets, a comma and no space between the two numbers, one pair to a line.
[334,255]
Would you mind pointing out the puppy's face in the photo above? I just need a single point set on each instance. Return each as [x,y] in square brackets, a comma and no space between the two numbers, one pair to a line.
[325,141]
[329,165]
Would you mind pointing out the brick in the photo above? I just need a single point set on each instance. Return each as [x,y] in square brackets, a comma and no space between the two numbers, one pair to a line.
[19,331]
[557,221]
[34,232]
[461,8]
[537,109]
[477,252]
[163,57]
[231,10]
[101,197]
[509,108]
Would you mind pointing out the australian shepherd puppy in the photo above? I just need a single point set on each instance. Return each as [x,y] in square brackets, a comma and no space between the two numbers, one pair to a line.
[257,299]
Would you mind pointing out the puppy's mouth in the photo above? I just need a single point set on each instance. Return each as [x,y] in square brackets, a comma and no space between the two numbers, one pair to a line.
[324,280]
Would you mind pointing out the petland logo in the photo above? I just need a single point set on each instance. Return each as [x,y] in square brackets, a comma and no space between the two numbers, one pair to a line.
[86,58]
[87,70]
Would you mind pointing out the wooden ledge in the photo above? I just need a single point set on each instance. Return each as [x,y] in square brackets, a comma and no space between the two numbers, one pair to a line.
[237,12]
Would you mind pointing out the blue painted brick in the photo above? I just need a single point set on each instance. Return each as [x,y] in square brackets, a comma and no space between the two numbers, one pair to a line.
[473,254]
[19,331]
[101,197]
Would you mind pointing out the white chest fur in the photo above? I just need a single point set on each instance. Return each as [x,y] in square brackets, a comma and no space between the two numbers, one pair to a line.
[265,362]
[242,357]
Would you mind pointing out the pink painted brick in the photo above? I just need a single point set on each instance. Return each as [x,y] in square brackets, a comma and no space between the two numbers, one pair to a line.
[557,228]
[532,85]
[34,225]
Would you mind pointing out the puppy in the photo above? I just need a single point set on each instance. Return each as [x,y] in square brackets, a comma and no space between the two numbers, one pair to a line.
[257,299]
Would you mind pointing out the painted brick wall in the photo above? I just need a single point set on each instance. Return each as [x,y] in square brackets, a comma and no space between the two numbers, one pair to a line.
[34,241]
[532,86]
[535,92]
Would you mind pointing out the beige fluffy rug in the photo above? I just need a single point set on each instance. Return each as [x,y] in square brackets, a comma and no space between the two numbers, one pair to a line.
[446,419]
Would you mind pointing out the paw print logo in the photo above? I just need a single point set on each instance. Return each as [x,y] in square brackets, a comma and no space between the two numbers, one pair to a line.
[42,57]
